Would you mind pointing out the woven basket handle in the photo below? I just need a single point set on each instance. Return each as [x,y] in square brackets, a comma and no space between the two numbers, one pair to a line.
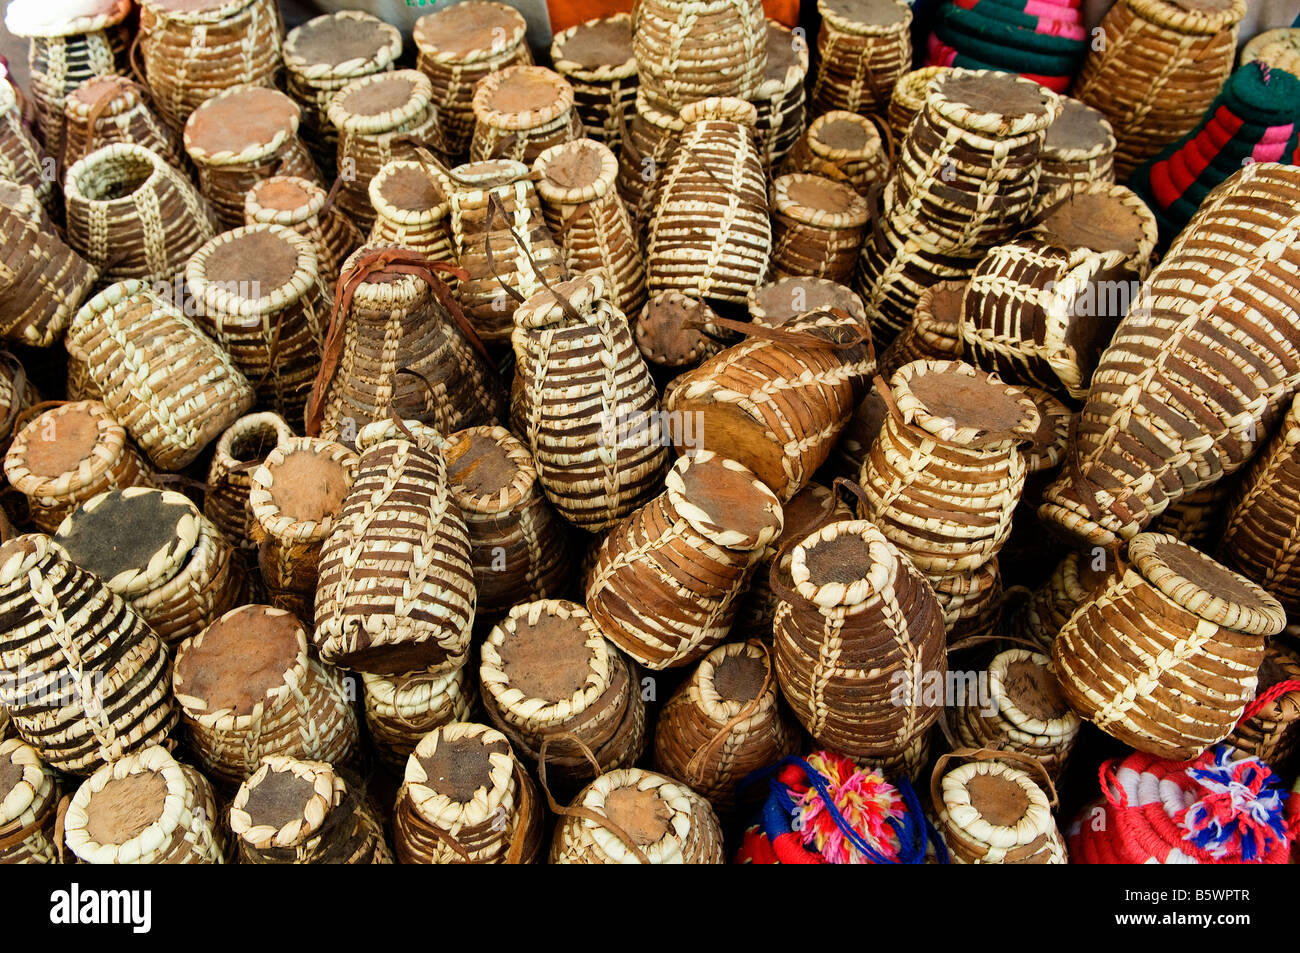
[989,754]
[578,810]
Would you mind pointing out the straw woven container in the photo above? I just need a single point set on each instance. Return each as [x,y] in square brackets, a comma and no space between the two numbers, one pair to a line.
[146,808]
[1167,415]
[179,573]
[817,227]
[687,50]
[588,409]
[402,709]
[990,812]
[1272,728]
[113,108]
[780,301]
[907,98]
[466,800]
[193,51]
[65,47]
[132,215]
[494,207]
[412,210]
[127,333]
[45,281]
[863,48]
[650,138]
[779,99]
[17,395]
[676,332]
[666,581]
[596,59]
[845,147]
[710,235]
[237,138]
[380,118]
[1165,656]
[322,56]
[294,499]
[1196,518]
[632,816]
[29,800]
[1156,68]
[582,207]
[519,547]
[1040,617]
[457,48]
[95,679]
[1102,217]
[303,812]
[724,722]
[303,206]
[68,454]
[854,637]
[778,405]
[21,160]
[971,601]
[933,334]
[945,473]
[247,688]
[1279,48]
[1263,519]
[396,590]
[260,295]
[550,679]
[1078,150]
[1024,712]
[239,451]
[520,112]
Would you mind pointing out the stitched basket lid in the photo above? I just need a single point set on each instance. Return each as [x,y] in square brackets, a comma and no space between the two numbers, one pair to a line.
[1052,439]
[283,200]
[671,330]
[843,564]
[380,102]
[780,301]
[962,405]
[37,18]
[285,802]
[299,489]
[1078,133]
[460,773]
[656,813]
[86,442]
[787,63]
[844,136]
[406,192]
[346,43]
[239,660]
[469,32]
[522,97]
[133,539]
[240,125]
[598,50]
[25,781]
[575,172]
[730,677]
[723,501]
[194,12]
[995,104]
[865,17]
[1102,217]
[996,804]
[488,470]
[251,271]
[819,201]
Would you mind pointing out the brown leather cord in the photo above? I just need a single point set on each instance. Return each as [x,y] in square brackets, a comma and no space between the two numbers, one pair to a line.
[707,750]
[790,337]
[989,754]
[578,810]
[524,818]
[180,479]
[134,60]
[412,816]
[569,222]
[886,136]
[59,828]
[496,208]
[875,211]
[12,836]
[854,488]
[976,640]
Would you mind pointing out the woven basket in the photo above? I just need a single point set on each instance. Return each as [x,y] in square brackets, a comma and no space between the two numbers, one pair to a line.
[582,207]
[1101,217]
[108,109]
[240,450]
[907,98]
[304,206]
[1270,727]
[709,234]
[779,99]
[17,395]
[180,574]
[1279,48]
[687,50]
[380,118]
[459,47]
[777,405]
[666,581]
[396,590]
[1023,712]
[402,709]
[29,801]
[237,138]
[466,800]
[519,548]
[146,808]
[934,333]
[817,227]
[322,56]
[971,601]
[992,813]
[632,816]
[855,636]
[126,332]
[520,112]
[588,409]
[302,812]
[596,59]
[66,47]
[551,681]
[194,51]
[1040,617]
[44,280]
[648,142]
[1165,655]
[131,215]
[863,48]
[944,476]
[260,296]
[1156,67]
[247,689]
[94,682]
[1166,414]
[781,301]
[412,210]
[68,454]
[845,147]
[724,722]
[294,500]
[496,220]
[675,332]
[1078,150]
[21,160]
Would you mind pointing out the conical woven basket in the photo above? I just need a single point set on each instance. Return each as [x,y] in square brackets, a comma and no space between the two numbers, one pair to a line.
[845,147]
[907,98]
[971,601]
[29,801]
[304,206]
[863,48]
[239,451]
[596,59]
[687,50]
[113,108]
[402,709]
[21,160]
[520,112]
[990,812]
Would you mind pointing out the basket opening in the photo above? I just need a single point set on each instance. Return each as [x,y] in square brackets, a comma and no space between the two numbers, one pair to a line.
[254,444]
[1078,127]
[1033,690]
[845,135]
[460,766]
[999,800]
[411,189]
[644,817]
[125,807]
[575,167]
[75,435]
[548,659]
[241,658]
[278,798]
[738,678]
[307,487]
[844,559]
[117,178]
[1202,6]
[479,465]
[945,301]
[871,12]
[605,42]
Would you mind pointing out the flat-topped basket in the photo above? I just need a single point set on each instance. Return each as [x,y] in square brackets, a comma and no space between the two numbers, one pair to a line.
[907,98]
[520,112]
[843,146]
[304,206]
[690,51]
[412,210]
[113,108]
[1078,151]
[817,227]
[402,709]
[991,812]
[863,48]
[596,58]
[29,801]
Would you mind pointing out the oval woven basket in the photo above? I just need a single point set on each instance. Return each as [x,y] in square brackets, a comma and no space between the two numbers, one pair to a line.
[520,112]
[863,48]
[817,227]
[402,709]
[846,147]
[688,50]
[596,58]
[239,451]
[29,802]
[990,812]
[113,108]
[304,206]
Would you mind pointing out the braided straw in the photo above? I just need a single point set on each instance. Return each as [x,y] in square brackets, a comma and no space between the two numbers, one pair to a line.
[21,160]
[1270,726]
[402,709]
[305,207]
[520,112]
[687,50]
[817,227]
[595,57]
[112,108]
[862,51]
[1279,49]
[845,147]
[934,333]
[971,601]
[992,813]
[239,451]
[29,800]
